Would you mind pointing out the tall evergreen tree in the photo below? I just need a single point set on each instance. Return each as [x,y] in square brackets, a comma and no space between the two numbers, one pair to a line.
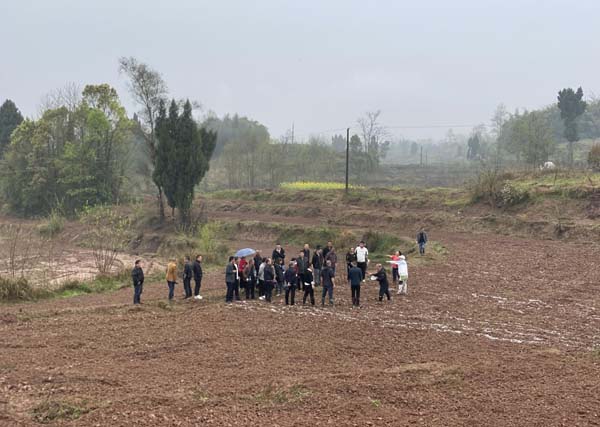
[183,155]
[10,118]
[571,106]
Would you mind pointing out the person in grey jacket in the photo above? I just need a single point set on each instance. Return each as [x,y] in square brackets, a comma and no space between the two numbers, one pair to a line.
[230,279]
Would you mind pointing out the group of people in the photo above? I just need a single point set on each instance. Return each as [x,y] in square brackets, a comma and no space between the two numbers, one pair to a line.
[303,272]
[259,277]
[191,270]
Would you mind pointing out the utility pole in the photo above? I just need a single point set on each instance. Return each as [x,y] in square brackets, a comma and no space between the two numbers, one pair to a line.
[421,155]
[347,156]
[292,132]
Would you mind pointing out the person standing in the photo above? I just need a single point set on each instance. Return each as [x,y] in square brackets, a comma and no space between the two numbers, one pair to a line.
[309,287]
[137,275]
[350,259]
[402,275]
[291,281]
[230,278]
[306,252]
[250,275]
[197,269]
[187,277]
[257,261]
[422,240]
[301,266]
[331,260]
[269,274]
[236,288]
[261,279]
[171,277]
[327,249]
[362,258]
[355,277]
[278,253]
[395,276]
[317,265]
[241,267]
[328,280]
[384,286]
[279,273]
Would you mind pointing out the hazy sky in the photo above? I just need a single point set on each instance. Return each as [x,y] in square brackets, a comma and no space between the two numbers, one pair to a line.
[319,64]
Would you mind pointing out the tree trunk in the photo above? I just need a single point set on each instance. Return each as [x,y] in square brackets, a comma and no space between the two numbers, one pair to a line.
[161,204]
[571,154]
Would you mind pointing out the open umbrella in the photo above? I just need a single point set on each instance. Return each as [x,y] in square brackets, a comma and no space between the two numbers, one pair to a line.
[245,252]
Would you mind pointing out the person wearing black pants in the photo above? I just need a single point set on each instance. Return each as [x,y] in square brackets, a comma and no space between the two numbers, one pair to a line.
[302,264]
[355,277]
[236,287]
[230,277]
[269,280]
[291,281]
[328,281]
[137,275]
[187,278]
[381,277]
[197,268]
[309,287]
[250,275]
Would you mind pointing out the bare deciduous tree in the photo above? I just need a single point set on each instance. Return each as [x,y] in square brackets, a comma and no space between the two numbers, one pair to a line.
[148,89]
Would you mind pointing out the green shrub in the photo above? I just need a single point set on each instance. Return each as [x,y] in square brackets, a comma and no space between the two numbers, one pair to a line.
[381,242]
[54,225]
[594,157]
[50,411]
[15,289]
[511,196]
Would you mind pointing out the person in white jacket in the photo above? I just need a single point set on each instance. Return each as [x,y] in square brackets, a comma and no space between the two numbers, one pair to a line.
[403,273]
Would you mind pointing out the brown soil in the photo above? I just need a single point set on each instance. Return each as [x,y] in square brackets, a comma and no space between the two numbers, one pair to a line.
[501,333]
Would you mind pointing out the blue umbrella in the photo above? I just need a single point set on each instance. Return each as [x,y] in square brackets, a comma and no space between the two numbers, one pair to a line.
[245,252]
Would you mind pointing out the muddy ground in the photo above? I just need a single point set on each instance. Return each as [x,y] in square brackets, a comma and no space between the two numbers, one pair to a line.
[500,333]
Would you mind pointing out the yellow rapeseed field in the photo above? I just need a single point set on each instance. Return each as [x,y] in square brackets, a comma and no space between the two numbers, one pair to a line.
[312,185]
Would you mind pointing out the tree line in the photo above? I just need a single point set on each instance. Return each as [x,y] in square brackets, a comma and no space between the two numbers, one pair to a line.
[85,151]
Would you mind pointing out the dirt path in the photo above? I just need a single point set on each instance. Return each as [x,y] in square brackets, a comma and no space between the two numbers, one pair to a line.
[500,334]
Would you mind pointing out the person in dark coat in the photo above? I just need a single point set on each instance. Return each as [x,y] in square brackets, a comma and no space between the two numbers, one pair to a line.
[317,265]
[350,258]
[384,285]
[258,259]
[137,275]
[328,281]
[279,279]
[355,276]
[309,287]
[306,252]
[269,274]
[187,277]
[331,259]
[197,269]
[301,267]
[422,240]
[278,253]
[291,282]
[230,279]
[328,248]
[250,275]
